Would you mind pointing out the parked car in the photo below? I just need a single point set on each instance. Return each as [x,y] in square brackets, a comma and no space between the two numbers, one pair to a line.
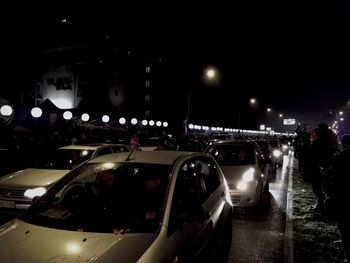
[165,206]
[244,169]
[18,189]
[164,142]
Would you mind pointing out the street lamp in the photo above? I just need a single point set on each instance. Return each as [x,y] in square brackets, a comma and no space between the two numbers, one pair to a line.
[105,118]
[252,102]
[122,120]
[6,110]
[85,117]
[36,112]
[211,77]
[67,115]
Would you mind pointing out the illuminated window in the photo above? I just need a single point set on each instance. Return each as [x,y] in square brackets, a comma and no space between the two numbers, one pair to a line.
[148,83]
[147,97]
[147,113]
[148,69]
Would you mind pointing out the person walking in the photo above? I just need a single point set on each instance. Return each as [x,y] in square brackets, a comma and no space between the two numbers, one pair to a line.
[339,179]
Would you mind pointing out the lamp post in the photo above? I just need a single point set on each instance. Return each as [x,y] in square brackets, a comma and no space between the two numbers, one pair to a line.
[252,103]
[211,77]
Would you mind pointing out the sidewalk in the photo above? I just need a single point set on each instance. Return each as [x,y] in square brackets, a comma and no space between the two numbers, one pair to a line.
[313,233]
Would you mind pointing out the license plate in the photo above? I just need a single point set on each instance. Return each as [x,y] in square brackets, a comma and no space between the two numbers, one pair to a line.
[7,204]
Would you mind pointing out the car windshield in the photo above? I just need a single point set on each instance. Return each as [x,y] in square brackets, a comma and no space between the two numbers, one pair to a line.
[64,159]
[232,154]
[274,143]
[105,198]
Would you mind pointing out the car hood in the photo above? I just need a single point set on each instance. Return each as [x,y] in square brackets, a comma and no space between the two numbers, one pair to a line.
[32,177]
[23,242]
[232,172]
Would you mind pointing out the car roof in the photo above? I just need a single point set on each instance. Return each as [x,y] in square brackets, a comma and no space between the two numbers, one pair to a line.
[155,157]
[89,146]
[233,142]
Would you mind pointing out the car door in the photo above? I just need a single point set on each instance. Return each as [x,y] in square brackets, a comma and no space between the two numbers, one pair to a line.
[190,224]
[262,168]
[215,191]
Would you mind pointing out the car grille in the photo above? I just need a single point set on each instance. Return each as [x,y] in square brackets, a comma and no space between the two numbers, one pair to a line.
[232,186]
[16,194]
[235,199]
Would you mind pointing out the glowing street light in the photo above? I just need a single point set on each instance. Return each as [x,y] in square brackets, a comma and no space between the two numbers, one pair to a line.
[151,123]
[105,118]
[211,75]
[6,110]
[159,123]
[122,120]
[144,122]
[280,115]
[133,121]
[165,124]
[252,100]
[85,117]
[268,109]
[36,112]
[67,115]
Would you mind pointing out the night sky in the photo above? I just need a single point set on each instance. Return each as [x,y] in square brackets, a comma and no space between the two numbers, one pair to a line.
[293,59]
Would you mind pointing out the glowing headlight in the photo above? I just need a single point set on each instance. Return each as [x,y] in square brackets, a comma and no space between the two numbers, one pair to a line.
[242,186]
[248,175]
[31,193]
[277,153]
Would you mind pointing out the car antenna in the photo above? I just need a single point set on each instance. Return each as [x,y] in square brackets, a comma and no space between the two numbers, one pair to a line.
[128,158]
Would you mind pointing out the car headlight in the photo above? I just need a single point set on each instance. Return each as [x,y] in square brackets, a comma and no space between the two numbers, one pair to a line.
[277,153]
[284,147]
[248,175]
[31,193]
[242,186]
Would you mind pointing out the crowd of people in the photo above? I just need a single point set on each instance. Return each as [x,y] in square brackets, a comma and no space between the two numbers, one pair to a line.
[324,159]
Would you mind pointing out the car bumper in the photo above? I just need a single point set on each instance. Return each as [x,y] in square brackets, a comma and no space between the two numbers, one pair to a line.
[241,199]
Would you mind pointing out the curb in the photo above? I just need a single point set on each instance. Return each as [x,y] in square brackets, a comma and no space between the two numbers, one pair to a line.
[288,232]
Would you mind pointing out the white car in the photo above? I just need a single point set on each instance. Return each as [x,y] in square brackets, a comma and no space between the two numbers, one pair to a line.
[244,169]
[158,206]
[18,189]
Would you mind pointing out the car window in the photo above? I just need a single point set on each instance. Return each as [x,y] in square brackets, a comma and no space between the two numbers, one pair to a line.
[209,172]
[189,190]
[104,151]
[63,159]
[232,154]
[118,149]
[188,194]
[105,198]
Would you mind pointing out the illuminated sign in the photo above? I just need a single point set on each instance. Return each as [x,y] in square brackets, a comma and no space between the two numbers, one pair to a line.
[289,121]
